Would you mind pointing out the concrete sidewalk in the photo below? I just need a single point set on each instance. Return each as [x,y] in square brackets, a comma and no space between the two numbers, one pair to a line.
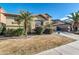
[70,35]
[68,49]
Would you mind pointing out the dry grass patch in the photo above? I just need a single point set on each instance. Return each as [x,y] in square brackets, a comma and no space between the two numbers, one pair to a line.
[33,45]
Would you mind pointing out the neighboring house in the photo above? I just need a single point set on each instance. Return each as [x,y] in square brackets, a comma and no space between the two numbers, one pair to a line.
[64,26]
[56,23]
[9,20]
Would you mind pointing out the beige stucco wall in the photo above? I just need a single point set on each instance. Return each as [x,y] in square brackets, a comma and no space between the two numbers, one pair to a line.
[11,23]
[2,18]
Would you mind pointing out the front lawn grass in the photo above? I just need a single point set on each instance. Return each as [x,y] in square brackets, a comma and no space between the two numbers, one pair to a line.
[33,45]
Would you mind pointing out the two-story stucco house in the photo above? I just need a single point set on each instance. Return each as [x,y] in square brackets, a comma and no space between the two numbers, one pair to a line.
[9,20]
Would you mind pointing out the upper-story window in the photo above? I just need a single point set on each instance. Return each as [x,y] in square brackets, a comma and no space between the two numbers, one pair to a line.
[38,23]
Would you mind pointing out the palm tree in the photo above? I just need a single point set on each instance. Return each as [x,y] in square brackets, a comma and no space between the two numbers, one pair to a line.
[26,17]
[75,18]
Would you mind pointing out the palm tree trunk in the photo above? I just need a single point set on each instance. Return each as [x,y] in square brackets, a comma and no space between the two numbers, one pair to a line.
[72,26]
[75,26]
[30,28]
[25,28]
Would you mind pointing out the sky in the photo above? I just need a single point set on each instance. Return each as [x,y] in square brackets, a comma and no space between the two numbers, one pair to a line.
[56,10]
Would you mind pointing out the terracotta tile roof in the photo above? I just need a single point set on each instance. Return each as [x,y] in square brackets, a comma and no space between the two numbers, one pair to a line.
[58,23]
[45,16]
[7,14]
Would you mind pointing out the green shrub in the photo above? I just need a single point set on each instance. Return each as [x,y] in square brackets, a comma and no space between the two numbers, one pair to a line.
[3,31]
[39,30]
[14,32]
[48,31]
[2,26]
[9,32]
[18,32]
